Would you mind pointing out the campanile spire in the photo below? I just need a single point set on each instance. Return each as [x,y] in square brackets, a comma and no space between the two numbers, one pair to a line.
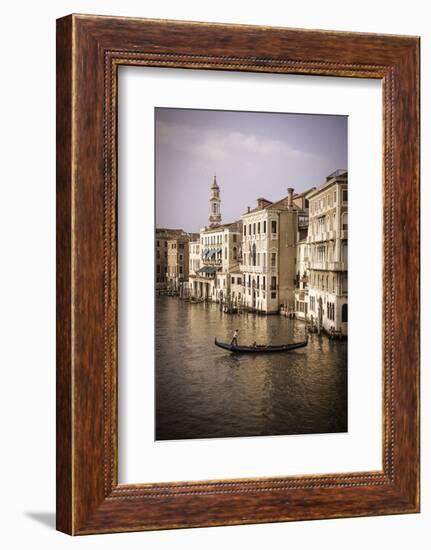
[215,216]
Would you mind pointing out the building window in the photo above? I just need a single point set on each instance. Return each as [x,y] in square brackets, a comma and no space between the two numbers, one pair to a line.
[254,229]
[238,280]
[344,284]
[264,227]
[234,252]
[234,238]
[273,226]
[344,313]
[345,222]
[225,253]
[344,252]
[253,259]
[273,259]
[273,283]
[258,228]
[245,230]
[181,269]
[273,295]
[344,195]
[264,282]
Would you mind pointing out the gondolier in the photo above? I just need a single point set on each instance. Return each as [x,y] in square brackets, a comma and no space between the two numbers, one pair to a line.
[234,341]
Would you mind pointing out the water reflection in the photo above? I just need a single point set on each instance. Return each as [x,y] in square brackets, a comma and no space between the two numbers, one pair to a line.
[203,391]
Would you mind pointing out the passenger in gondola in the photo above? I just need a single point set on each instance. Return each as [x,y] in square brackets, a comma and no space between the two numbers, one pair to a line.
[234,341]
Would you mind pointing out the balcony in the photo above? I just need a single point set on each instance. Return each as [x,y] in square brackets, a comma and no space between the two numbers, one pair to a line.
[329,235]
[327,266]
[257,269]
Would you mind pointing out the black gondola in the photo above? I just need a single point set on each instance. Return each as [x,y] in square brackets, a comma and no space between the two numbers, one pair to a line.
[261,348]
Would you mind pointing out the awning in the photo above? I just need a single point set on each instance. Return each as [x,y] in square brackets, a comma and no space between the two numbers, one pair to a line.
[208,269]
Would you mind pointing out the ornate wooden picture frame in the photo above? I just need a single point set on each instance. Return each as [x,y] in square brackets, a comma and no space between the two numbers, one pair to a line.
[89,51]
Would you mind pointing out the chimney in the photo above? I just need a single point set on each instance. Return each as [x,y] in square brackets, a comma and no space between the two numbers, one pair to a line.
[290,197]
[248,209]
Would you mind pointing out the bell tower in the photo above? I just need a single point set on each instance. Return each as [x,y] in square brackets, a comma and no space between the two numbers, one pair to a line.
[215,216]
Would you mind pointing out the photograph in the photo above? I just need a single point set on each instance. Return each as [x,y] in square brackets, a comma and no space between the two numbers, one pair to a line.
[251,273]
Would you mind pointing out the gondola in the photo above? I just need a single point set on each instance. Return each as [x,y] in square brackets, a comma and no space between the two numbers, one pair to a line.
[260,348]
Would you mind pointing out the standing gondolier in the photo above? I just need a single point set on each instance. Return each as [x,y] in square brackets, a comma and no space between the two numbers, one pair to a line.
[234,341]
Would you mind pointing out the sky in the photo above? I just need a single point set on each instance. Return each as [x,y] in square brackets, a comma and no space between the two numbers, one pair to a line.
[252,154]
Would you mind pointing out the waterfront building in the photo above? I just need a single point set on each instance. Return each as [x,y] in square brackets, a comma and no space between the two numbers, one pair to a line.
[178,261]
[301,282]
[220,248]
[269,236]
[162,237]
[219,254]
[194,257]
[327,254]
[302,246]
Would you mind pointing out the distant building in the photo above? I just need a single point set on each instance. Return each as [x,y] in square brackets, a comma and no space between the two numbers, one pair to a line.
[219,254]
[194,257]
[162,237]
[327,254]
[302,247]
[301,282]
[178,261]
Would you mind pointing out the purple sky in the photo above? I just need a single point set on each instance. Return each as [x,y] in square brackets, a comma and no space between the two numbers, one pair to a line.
[253,155]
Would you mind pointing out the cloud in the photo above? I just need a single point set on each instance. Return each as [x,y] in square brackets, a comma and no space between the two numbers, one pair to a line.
[209,145]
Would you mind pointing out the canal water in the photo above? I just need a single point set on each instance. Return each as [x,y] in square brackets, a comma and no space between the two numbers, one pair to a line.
[203,391]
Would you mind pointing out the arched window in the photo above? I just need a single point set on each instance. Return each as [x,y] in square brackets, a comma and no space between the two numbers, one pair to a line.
[344,313]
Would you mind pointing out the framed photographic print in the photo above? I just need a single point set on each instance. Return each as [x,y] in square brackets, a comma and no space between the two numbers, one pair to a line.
[237,274]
